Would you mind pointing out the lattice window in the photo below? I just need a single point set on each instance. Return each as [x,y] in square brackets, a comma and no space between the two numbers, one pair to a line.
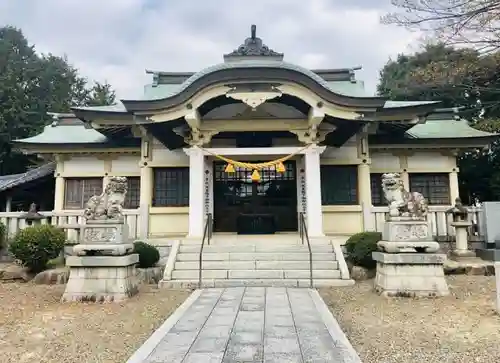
[79,190]
[133,196]
[434,186]
[376,188]
[171,187]
[339,184]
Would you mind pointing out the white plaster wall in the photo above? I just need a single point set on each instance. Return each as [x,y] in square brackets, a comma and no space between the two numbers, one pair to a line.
[83,165]
[348,151]
[126,164]
[161,156]
[385,162]
[431,160]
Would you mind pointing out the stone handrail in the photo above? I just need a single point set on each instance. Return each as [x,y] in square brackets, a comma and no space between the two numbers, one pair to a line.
[15,221]
[439,220]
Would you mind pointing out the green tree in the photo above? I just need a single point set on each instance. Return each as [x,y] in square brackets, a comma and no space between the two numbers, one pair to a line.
[32,85]
[457,77]
[101,94]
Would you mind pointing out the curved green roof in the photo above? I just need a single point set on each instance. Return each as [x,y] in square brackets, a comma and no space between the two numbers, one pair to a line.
[75,133]
[256,64]
[446,129]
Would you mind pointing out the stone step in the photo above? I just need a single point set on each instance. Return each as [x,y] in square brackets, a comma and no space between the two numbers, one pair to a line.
[267,242]
[193,283]
[255,274]
[255,248]
[256,256]
[256,265]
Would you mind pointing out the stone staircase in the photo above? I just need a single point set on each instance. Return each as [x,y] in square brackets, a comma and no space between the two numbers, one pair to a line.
[256,262]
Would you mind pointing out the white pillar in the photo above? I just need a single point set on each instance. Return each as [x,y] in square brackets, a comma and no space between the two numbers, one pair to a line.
[365,196]
[314,212]
[196,192]
[454,191]
[146,198]
[8,204]
[59,193]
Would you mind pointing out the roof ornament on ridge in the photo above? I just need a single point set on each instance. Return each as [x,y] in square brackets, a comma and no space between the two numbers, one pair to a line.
[253,47]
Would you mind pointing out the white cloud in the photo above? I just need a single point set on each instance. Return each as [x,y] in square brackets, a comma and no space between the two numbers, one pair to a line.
[116,40]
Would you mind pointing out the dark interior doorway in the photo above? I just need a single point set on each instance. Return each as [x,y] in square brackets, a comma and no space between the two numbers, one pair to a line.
[247,207]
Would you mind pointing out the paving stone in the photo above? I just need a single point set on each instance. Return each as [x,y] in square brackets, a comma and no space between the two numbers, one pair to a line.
[280,320]
[253,324]
[281,345]
[282,358]
[231,310]
[218,331]
[202,357]
[252,307]
[215,320]
[208,345]
[243,353]
[280,331]
[247,337]
[248,325]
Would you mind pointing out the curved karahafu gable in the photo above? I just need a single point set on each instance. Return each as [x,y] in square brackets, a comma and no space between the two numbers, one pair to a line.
[258,71]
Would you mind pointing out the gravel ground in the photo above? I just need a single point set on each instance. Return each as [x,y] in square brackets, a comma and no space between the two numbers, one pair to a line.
[462,327]
[35,327]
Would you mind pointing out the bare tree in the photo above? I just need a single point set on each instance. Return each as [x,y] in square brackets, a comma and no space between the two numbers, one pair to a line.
[455,22]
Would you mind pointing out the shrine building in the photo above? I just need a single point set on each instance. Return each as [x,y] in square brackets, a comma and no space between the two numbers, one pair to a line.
[256,142]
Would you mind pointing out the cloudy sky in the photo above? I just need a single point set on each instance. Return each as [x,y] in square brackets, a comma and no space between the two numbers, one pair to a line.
[116,40]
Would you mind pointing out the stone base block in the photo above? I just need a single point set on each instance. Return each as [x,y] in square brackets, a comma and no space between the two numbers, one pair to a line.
[410,274]
[103,249]
[409,246]
[464,255]
[407,231]
[101,278]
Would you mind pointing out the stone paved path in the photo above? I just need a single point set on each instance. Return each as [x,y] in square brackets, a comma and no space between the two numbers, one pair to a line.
[252,324]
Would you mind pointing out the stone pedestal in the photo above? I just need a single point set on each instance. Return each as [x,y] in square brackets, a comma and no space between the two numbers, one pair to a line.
[102,267]
[408,263]
[104,237]
[461,251]
[410,274]
[407,236]
[101,278]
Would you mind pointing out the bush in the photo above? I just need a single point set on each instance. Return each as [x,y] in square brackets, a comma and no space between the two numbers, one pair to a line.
[148,255]
[3,235]
[360,247]
[36,246]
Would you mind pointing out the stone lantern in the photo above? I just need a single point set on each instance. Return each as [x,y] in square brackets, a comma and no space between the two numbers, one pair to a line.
[461,224]
[32,216]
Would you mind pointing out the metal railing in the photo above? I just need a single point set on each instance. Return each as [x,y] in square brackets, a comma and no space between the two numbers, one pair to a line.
[207,235]
[305,235]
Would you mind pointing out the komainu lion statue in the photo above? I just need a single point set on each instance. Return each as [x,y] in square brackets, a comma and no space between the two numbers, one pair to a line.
[402,203]
[108,205]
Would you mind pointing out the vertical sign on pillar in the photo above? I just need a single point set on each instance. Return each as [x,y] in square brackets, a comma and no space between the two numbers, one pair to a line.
[208,188]
[301,187]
